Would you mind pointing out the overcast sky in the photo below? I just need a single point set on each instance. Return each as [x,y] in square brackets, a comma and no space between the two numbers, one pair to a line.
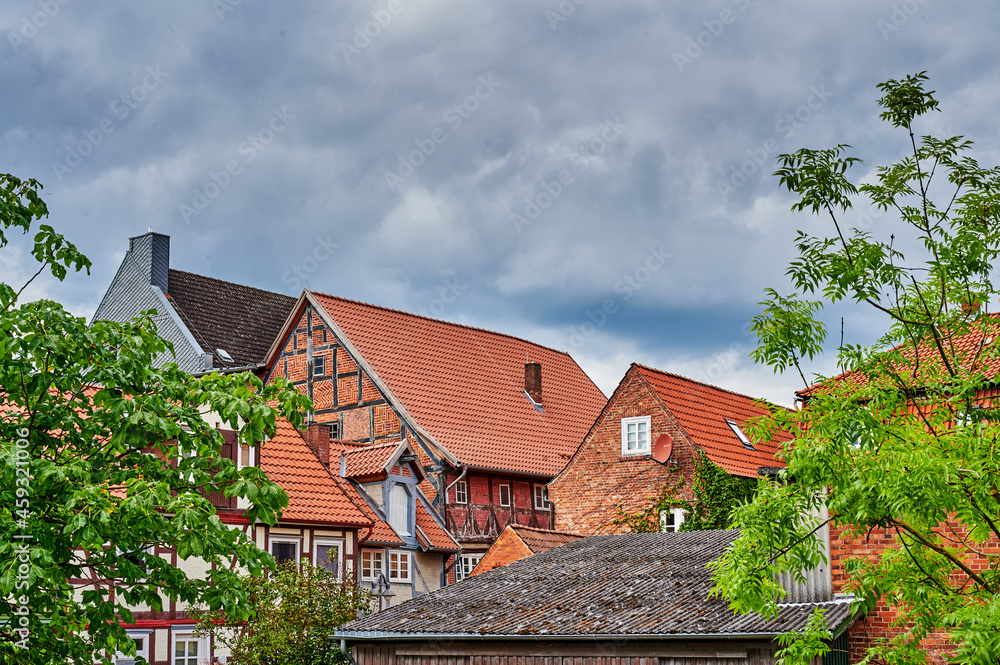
[593,176]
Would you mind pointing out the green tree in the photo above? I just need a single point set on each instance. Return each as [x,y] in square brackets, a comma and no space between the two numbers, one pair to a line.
[102,456]
[897,444]
[291,614]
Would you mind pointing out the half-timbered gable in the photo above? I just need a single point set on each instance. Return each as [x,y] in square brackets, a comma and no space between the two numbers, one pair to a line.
[487,430]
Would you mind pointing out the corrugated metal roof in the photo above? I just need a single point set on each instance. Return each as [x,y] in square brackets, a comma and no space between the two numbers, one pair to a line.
[644,584]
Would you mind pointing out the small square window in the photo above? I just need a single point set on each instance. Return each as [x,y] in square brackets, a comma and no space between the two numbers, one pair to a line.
[284,551]
[461,492]
[671,519]
[503,492]
[465,565]
[319,366]
[399,566]
[635,435]
[372,564]
[541,493]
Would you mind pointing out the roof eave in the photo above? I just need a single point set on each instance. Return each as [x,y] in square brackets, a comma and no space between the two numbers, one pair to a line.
[381,636]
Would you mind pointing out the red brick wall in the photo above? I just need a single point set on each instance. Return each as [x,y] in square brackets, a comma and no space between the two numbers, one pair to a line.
[599,478]
[877,625]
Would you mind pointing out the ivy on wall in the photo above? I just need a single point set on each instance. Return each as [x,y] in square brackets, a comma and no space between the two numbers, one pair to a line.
[716,494]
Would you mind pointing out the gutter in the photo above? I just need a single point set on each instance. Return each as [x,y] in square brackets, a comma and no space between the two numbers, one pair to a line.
[379,636]
[229,370]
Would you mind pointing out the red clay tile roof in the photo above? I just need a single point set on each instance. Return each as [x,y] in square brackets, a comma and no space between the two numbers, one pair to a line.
[382,533]
[464,386]
[241,320]
[974,348]
[369,460]
[542,540]
[313,494]
[702,411]
[437,539]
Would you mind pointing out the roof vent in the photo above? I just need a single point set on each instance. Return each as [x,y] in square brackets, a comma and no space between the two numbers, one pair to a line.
[226,358]
[740,435]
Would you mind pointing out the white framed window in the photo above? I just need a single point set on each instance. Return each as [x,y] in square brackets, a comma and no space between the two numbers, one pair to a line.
[671,519]
[283,549]
[503,494]
[399,566]
[465,565]
[635,435]
[247,456]
[328,554]
[744,439]
[319,366]
[541,494]
[189,650]
[461,492]
[372,564]
[141,641]
[399,509]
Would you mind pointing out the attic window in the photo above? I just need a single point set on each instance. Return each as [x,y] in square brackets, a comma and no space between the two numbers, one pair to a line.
[224,356]
[740,435]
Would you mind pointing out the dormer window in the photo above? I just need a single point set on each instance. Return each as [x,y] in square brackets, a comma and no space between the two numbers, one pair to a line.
[399,509]
[635,435]
[740,435]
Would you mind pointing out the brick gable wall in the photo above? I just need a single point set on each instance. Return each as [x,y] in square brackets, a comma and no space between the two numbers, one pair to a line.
[598,478]
[507,549]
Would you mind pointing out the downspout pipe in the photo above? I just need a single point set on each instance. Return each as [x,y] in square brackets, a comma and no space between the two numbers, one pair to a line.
[465,470]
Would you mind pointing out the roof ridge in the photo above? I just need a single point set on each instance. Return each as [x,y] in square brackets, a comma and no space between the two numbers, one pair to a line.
[706,385]
[540,530]
[450,323]
[363,448]
[224,281]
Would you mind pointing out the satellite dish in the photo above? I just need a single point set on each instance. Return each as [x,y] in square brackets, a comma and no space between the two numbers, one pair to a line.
[663,447]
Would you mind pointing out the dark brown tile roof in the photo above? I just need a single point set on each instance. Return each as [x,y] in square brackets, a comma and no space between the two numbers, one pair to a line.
[241,320]
[542,540]
[637,584]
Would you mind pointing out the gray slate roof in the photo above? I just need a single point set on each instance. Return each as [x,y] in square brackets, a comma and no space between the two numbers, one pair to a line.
[650,584]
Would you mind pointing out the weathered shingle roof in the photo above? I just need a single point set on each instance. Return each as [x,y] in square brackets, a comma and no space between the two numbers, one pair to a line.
[702,411]
[542,540]
[241,320]
[465,386]
[640,584]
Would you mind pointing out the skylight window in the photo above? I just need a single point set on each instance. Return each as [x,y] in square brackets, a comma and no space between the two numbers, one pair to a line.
[740,435]
[224,356]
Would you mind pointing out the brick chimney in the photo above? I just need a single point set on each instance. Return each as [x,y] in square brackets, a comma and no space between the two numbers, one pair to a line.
[317,435]
[533,381]
[152,253]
